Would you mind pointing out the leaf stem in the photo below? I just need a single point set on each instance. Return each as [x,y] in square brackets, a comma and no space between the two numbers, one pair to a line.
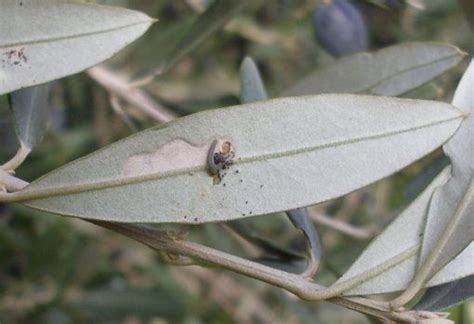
[163,242]
[119,86]
[9,183]
[17,160]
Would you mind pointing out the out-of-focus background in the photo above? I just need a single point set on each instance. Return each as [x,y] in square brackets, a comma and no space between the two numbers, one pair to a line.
[62,270]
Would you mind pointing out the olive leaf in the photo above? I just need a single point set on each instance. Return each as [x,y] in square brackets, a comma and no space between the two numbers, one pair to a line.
[251,84]
[31,108]
[187,39]
[447,295]
[449,208]
[252,89]
[46,40]
[452,206]
[390,71]
[289,153]
[302,221]
[385,266]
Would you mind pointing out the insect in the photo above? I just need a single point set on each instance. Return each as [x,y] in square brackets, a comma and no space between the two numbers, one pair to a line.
[220,158]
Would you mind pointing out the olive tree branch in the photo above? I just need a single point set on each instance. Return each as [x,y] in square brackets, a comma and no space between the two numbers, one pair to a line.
[181,252]
[163,241]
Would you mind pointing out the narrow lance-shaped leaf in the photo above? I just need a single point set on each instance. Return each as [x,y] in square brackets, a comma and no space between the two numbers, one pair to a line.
[457,268]
[46,40]
[252,89]
[301,220]
[391,266]
[289,153]
[30,108]
[384,267]
[443,213]
[216,16]
[251,85]
[447,295]
[389,72]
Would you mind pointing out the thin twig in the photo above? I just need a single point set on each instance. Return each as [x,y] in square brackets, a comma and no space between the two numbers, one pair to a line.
[361,233]
[117,108]
[296,284]
[118,85]
[175,246]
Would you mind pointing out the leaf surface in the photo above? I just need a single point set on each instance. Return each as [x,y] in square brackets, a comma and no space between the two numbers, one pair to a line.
[46,40]
[447,295]
[447,209]
[452,207]
[251,84]
[31,110]
[289,153]
[392,265]
[252,89]
[389,72]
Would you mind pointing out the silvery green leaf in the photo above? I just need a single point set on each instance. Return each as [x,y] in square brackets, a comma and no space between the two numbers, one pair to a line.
[46,40]
[387,267]
[452,206]
[31,110]
[459,267]
[251,84]
[302,221]
[390,71]
[216,16]
[391,266]
[424,178]
[289,153]
[252,89]
[447,295]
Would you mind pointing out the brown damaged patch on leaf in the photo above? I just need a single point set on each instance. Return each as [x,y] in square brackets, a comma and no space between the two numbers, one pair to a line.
[177,154]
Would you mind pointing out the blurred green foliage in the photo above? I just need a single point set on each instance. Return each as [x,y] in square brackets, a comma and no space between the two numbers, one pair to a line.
[63,270]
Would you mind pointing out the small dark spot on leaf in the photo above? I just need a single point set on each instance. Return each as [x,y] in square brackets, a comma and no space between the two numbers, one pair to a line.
[250,213]
[223,184]
[195,219]
[241,180]
[21,4]
[261,186]
[246,202]
[236,171]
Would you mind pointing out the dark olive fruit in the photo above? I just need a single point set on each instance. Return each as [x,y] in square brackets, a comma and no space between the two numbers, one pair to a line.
[340,27]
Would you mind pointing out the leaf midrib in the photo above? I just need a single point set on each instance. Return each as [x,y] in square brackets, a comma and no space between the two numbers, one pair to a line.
[26,194]
[73,36]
